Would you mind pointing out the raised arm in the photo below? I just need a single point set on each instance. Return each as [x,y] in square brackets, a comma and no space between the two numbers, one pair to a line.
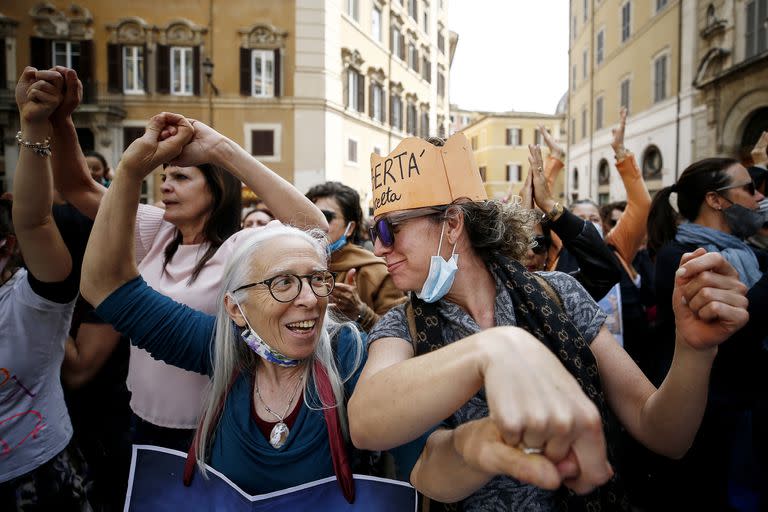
[760,151]
[555,161]
[710,306]
[70,170]
[283,199]
[628,234]
[87,353]
[109,258]
[598,268]
[46,256]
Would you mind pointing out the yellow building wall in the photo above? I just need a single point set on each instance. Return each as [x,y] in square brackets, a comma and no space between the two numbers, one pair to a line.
[494,154]
[652,34]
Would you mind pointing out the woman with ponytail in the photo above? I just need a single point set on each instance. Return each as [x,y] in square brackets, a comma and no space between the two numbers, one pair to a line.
[713,205]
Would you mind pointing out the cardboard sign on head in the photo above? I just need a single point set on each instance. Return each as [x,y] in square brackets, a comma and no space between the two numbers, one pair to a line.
[418,174]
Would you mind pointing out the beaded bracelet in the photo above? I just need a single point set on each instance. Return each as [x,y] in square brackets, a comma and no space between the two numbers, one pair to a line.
[40,148]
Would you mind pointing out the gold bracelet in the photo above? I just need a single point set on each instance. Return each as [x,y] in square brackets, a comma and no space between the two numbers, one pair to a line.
[42,149]
[555,213]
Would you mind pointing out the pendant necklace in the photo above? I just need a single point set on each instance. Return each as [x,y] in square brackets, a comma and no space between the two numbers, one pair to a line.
[279,434]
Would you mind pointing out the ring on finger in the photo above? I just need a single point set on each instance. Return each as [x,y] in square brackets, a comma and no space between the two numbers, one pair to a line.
[527,450]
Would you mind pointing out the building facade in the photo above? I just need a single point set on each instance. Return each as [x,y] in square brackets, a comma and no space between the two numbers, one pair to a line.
[731,75]
[626,53]
[500,143]
[309,87]
[691,73]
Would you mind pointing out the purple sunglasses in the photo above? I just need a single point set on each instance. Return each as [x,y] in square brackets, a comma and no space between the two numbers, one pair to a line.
[383,229]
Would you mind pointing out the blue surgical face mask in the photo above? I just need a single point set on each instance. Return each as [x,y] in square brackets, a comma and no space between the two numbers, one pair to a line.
[258,345]
[441,274]
[341,242]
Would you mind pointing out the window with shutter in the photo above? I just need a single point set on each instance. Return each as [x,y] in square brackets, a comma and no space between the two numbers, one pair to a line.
[67,54]
[360,93]
[262,143]
[182,73]
[352,151]
[396,112]
[263,73]
[626,13]
[376,101]
[163,72]
[413,9]
[376,22]
[660,79]
[513,172]
[133,69]
[599,113]
[624,94]
[756,29]
[411,119]
[115,68]
[599,47]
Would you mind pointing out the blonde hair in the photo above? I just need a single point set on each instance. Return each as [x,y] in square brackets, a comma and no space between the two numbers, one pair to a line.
[229,354]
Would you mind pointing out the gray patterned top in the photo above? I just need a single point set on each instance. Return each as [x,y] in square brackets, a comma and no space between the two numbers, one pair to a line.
[502,493]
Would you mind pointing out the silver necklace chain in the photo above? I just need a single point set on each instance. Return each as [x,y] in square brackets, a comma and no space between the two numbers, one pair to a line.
[273,413]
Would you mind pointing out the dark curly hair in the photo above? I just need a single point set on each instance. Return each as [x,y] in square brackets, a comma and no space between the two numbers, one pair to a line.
[348,199]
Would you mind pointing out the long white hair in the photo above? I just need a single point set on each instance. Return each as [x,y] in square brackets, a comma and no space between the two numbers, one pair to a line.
[230,354]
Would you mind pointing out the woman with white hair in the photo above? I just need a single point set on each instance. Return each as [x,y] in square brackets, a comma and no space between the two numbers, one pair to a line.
[280,368]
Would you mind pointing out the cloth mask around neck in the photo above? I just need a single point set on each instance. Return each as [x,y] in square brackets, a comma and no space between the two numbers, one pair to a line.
[341,242]
[258,345]
[742,221]
[441,274]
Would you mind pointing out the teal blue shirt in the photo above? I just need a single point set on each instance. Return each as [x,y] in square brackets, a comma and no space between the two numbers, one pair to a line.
[181,336]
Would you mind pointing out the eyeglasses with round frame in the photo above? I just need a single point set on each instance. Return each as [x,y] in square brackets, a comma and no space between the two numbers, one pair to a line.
[383,228]
[286,287]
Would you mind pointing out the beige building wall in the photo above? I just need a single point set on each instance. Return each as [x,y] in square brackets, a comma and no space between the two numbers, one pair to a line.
[495,150]
[731,70]
[315,43]
[637,64]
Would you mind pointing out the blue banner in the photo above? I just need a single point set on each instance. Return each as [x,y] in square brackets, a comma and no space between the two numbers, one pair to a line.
[155,484]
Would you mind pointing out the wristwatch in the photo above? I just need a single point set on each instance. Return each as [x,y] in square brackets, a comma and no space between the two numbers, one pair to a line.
[555,212]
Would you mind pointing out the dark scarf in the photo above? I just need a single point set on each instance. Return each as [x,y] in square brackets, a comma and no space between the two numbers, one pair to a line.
[539,311]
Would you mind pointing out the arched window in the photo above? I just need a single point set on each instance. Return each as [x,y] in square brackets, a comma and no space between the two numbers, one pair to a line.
[652,163]
[575,180]
[711,17]
[603,172]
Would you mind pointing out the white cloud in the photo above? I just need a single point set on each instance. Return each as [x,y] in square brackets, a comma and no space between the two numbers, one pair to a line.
[511,55]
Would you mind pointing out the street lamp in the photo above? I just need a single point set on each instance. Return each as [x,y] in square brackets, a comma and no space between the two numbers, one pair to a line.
[208,72]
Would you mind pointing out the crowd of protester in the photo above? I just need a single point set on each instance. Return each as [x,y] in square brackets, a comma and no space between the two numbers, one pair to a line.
[513,354]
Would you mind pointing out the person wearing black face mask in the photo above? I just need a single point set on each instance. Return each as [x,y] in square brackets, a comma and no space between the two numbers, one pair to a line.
[716,207]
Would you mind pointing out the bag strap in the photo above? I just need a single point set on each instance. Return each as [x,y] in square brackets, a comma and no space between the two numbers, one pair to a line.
[411,316]
[549,290]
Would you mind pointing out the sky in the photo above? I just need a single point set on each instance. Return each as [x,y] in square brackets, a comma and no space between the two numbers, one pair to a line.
[511,55]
